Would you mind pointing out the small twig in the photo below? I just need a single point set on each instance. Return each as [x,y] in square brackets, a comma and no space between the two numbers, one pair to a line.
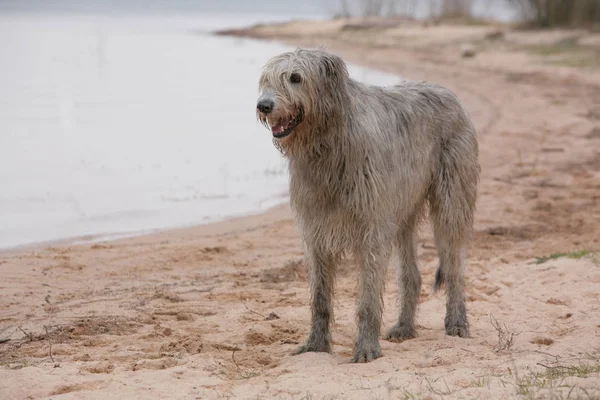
[546,354]
[4,340]
[254,312]
[555,366]
[233,358]
[49,343]
[29,335]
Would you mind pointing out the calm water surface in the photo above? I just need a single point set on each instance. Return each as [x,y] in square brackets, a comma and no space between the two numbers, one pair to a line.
[117,124]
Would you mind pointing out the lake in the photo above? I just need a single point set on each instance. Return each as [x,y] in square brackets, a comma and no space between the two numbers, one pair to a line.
[115,124]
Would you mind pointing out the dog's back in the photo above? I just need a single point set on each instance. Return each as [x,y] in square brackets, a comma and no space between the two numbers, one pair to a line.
[399,140]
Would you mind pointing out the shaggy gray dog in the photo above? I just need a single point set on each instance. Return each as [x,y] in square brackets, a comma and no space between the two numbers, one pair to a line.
[364,162]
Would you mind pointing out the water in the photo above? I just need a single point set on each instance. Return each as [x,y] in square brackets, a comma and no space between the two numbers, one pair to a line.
[119,124]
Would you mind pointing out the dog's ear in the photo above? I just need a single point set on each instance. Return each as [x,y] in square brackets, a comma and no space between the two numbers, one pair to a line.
[334,67]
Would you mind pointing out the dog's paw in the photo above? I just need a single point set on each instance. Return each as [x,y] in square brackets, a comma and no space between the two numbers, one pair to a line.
[366,353]
[313,347]
[400,333]
[460,330]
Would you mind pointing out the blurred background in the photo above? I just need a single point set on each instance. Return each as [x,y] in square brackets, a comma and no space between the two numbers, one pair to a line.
[124,116]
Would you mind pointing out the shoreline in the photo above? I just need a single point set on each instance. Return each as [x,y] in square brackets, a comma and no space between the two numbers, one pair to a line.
[220,226]
[215,310]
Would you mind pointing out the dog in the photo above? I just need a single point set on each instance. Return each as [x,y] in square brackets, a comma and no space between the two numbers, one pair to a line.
[365,163]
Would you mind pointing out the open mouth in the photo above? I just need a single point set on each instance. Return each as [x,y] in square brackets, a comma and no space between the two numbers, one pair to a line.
[284,128]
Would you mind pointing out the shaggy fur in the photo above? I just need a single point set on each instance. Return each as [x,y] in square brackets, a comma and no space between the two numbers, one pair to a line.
[364,163]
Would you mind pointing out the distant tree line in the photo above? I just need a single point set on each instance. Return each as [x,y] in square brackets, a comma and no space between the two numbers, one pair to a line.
[550,13]
[541,13]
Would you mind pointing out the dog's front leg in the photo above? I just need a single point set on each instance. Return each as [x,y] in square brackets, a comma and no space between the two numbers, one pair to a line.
[372,262]
[322,266]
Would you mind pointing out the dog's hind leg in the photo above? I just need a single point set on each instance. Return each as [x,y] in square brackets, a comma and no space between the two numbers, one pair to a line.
[409,283]
[452,200]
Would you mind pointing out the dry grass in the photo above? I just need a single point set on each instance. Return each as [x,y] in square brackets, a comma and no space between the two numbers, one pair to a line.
[557,381]
[506,335]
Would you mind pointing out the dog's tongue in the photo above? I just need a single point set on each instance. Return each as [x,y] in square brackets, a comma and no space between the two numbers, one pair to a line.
[278,128]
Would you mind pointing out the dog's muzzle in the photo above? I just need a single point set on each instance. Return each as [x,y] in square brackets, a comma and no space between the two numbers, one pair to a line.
[284,128]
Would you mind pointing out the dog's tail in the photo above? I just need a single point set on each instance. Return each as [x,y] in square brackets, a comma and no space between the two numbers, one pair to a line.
[452,199]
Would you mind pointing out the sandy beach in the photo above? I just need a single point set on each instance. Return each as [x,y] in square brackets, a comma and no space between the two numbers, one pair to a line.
[214,311]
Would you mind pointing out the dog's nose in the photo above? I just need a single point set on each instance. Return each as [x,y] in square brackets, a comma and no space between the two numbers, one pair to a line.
[265,106]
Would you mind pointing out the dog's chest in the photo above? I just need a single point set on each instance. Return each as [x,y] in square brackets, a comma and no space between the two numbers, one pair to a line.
[329,189]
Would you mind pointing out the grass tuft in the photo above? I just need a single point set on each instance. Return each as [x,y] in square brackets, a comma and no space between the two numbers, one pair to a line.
[552,382]
[575,255]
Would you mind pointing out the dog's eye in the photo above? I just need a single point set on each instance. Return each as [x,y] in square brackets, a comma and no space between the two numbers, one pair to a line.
[295,77]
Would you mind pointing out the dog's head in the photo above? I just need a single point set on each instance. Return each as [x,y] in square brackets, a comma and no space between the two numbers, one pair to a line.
[300,94]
